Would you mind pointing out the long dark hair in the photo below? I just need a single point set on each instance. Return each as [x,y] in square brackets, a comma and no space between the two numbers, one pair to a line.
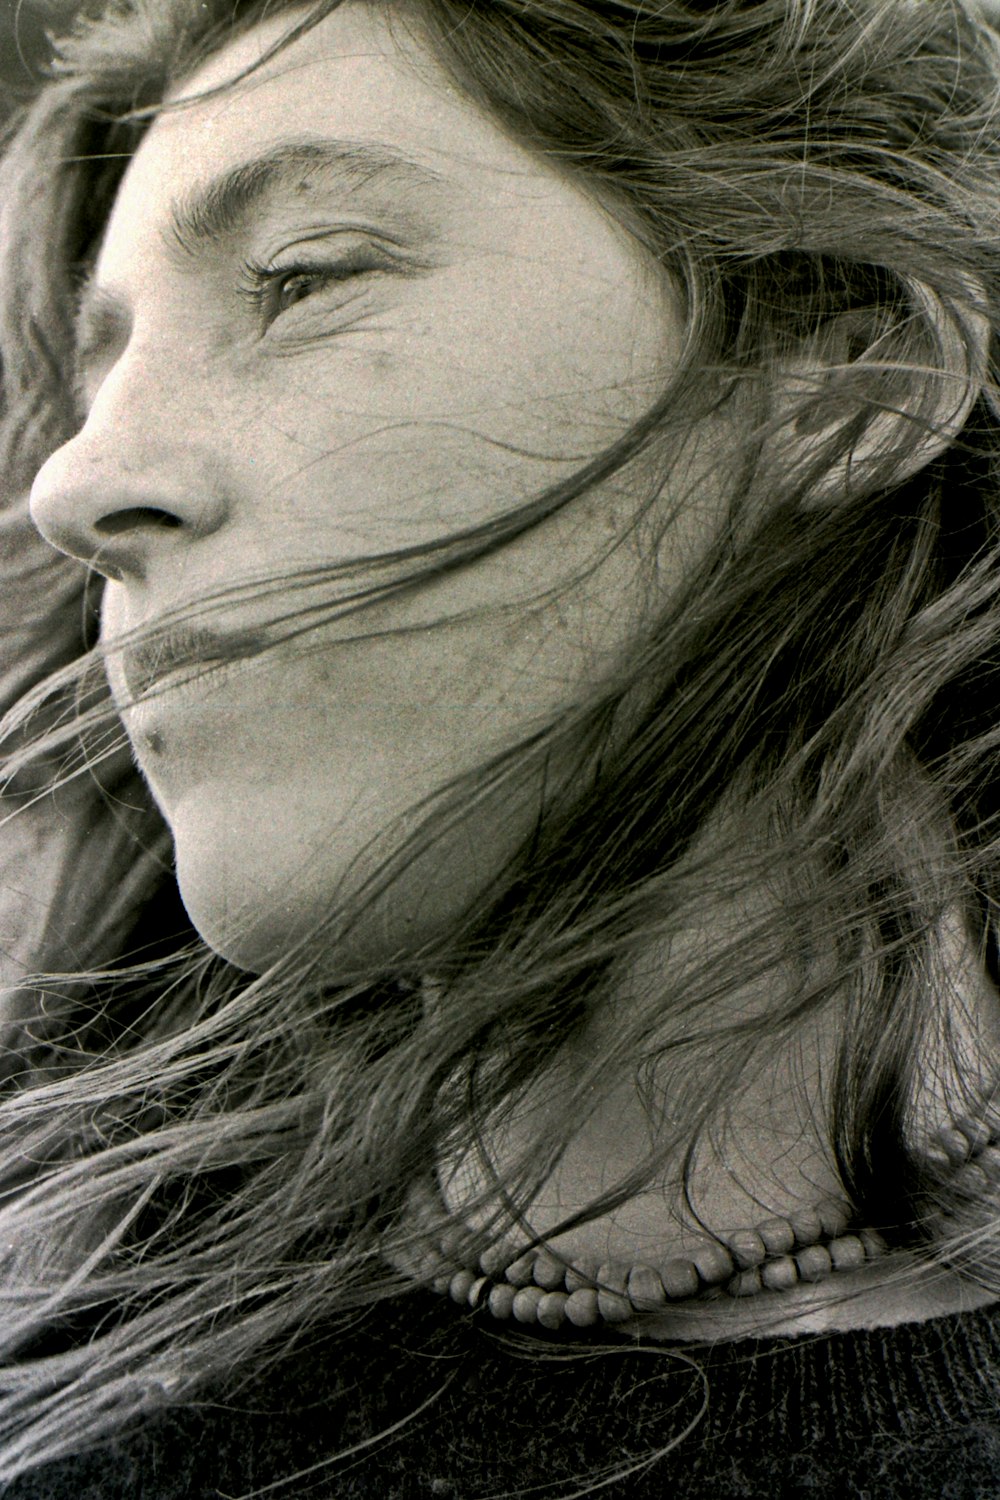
[216,1159]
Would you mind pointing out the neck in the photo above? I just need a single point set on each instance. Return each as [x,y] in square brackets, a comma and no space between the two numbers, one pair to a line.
[762,1155]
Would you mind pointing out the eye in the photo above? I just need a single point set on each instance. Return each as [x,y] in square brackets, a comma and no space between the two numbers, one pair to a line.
[274,290]
[295,287]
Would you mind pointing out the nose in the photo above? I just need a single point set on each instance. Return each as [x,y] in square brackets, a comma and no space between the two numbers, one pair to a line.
[128,486]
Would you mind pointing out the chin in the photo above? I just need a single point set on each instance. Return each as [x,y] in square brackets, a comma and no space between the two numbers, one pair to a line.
[260,872]
[240,913]
[256,923]
[264,886]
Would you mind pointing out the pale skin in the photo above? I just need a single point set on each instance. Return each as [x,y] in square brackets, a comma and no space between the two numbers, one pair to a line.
[427,343]
[496,333]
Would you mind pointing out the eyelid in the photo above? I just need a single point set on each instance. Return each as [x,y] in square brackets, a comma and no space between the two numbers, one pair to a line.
[103,322]
[259,285]
[356,254]
[327,244]
[331,247]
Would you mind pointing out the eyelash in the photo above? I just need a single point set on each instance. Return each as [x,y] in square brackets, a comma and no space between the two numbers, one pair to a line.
[263,286]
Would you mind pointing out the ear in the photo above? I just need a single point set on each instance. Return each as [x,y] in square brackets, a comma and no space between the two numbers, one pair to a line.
[879,392]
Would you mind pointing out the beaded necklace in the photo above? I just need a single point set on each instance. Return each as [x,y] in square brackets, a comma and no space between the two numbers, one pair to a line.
[535,1285]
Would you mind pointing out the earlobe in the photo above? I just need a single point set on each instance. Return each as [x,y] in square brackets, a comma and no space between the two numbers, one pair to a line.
[877,396]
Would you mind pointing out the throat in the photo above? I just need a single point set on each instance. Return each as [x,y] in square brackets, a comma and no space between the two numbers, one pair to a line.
[748,1233]
[621,1191]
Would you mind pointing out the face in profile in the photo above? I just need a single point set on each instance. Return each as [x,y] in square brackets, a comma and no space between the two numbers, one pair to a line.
[337,313]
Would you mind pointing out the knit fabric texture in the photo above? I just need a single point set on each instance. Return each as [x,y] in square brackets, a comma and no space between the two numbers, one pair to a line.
[418,1400]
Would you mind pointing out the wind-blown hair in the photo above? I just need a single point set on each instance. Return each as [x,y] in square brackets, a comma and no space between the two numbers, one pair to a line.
[198,1163]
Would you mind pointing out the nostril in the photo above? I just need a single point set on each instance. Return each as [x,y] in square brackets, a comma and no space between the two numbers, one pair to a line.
[136,518]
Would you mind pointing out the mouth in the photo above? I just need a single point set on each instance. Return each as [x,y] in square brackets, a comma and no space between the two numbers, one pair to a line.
[190,650]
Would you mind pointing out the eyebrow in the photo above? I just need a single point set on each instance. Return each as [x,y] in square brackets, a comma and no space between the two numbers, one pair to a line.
[214,210]
[209,213]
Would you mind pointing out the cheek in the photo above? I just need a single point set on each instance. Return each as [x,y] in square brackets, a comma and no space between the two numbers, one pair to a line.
[285,790]
[379,482]
[282,805]
[432,420]
[290,783]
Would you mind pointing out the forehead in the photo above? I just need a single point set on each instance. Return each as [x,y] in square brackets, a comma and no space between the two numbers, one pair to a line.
[355,78]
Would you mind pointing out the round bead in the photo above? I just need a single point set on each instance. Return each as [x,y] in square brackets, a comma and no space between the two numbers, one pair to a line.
[645,1289]
[846,1252]
[612,1297]
[834,1217]
[501,1300]
[551,1311]
[680,1279]
[972,1180]
[494,1261]
[414,1260]
[613,1274]
[525,1304]
[423,1199]
[613,1306]
[976,1132]
[478,1290]
[460,1286]
[874,1244]
[583,1273]
[936,1157]
[955,1143]
[747,1247]
[549,1271]
[814,1263]
[520,1272]
[713,1263]
[454,1242]
[778,1236]
[806,1226]
[989,1159]
[442,1282]
[745,1283]
[780,1275]
[581,1308]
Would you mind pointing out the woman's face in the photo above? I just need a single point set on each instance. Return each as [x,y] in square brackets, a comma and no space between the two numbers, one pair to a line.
[336,312]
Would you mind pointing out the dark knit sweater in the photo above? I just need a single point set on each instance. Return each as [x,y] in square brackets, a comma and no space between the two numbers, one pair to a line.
[910,1412]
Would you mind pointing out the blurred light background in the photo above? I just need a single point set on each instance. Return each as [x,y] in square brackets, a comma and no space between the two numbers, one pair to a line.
[23,48]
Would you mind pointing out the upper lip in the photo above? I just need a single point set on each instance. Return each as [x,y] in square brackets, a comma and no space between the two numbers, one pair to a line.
[167,649]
